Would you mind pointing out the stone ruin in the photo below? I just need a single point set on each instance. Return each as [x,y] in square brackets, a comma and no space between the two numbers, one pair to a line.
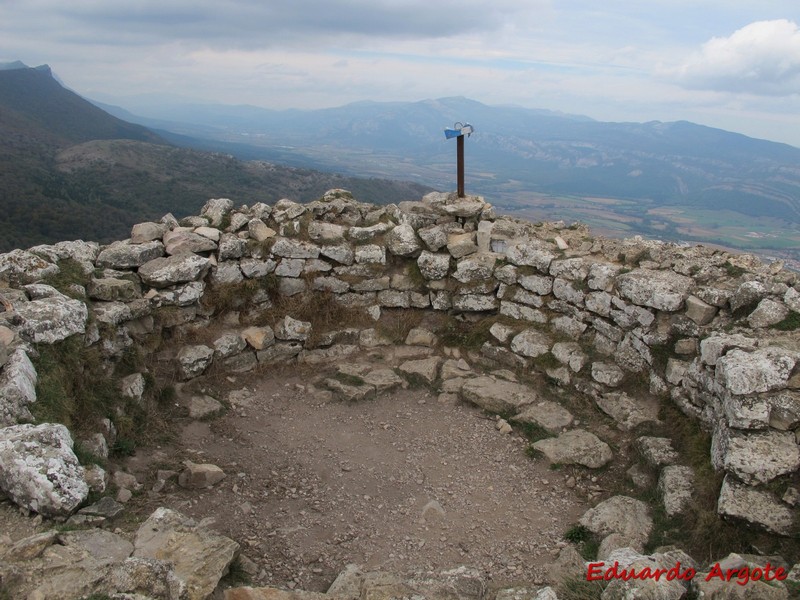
[713,332]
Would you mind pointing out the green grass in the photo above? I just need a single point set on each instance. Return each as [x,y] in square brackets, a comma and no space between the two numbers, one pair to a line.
[577,588]
[790,323]
[70,272]
[465,334]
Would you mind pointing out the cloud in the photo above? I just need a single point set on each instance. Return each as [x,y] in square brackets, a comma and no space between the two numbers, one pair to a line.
[762,58]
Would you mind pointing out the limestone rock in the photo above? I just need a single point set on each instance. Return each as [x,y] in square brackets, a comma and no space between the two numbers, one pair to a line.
[426,369]
[39,470]
[17,388]
[662,588]
[662,290]
[755,456]
[180,268]
[461,244]
[607,373]
[498,396]
[699,311]
[199,476]
[530,343]
[715,346]
[748,293]
[763,370]
[181,241]
[258,338]
[403,241]
[194,360]
[620,514]
[576,447]
[21,266]
[110,289]
[475,302]
[126,255]
[656,451]
[292,329]
[754,506]
[216,209]
[531,255]
[675,485]
[51,318]
[767,313]
[201,407]
[627,412]
[370,254]
[548,415]
[228,344]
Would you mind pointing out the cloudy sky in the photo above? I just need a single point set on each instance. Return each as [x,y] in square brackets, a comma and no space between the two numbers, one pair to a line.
[733,64]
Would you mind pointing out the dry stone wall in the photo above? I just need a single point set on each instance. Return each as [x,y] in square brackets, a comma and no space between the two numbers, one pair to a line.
[713,331]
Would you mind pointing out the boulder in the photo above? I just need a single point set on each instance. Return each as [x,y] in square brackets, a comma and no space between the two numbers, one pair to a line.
[216,209]
[627,412]
[699,311]
[426,369]
[576,447]
[147,232]
[292,329]
[182,241]
[528,254]
[656,451]
[549,415]
[607,373]
[715,346]
[662,588]
[767,313]
[39,471]
[755,456]
[110,289]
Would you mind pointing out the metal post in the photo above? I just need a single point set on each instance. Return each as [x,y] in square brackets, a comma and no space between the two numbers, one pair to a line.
[460,161]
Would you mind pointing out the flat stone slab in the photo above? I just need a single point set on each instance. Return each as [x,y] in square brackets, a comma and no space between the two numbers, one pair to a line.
[498,396]
[620,514]
[548,415]
[627,412]
[576,447]
[756,456]
[754,506]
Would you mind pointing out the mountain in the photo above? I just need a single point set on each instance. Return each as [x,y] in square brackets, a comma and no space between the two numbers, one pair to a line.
[675,180]
[69,169]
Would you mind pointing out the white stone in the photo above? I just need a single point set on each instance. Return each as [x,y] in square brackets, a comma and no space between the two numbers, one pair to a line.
[767,313]
[762,370]
[39,470]
[662,290]
[181,268]
[754,506]
[194,360]
[675,485]
[530,343]
[576,447]
[403,241]
[620,514]
[433,266]
[17,388]
[51,318]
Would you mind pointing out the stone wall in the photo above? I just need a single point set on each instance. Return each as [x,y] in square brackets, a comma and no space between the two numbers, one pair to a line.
[711,330]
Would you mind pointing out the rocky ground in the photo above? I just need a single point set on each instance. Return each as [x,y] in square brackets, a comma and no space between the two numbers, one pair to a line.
[401,482]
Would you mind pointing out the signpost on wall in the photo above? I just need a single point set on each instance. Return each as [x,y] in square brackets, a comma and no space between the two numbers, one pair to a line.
[458,131]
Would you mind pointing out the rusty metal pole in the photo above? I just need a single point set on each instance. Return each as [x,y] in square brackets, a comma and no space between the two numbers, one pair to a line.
[460,162]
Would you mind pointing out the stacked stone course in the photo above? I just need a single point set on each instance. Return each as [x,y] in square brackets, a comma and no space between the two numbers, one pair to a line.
[697,324]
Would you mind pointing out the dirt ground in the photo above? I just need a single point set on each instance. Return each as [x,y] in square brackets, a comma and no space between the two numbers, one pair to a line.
[402,482]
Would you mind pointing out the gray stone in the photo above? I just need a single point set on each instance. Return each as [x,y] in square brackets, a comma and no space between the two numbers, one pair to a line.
[132,386]
[498,396]
[531,255]
[715,346]
[656,451]
[361,234]
[792,299]
[259,231]
[254,268]
[290,267]
[572,328]
[216,209]
[351,392]
[519,312]
[184,240]
[51,318]
[232,247]
[576,447]
[17,388]
[326,233]
[289,248]
[228,344]
[662,290]
[21,266]
[286,210]
[607,373]
[212,233]
[767,313]
[475,302]
[754,506]
[784,410]
[627,412]
[181,268]
[530,343]
[755,456]
[570,354]
[403,241]
[292,329]
[111,313]
[746,294]
[125,255]
[675,485]
[198,556]
[700,312]
[185,294]
[548,415]
[105,507]
[194,360]
[602,276]
[370,254]
[435,237]
[291,286]
[426,369]
[661,588]
[199,476]
[620,514]
[226,273]
[762,370]
[201,407]
[39,471]
[110,289]
[474,268]
[461,244]
[419,336]
[394,299]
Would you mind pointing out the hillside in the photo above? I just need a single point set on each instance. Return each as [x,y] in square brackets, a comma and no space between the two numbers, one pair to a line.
[678,181]
[70,170]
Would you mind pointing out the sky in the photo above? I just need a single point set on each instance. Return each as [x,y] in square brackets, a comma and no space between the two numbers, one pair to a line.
[733,64]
